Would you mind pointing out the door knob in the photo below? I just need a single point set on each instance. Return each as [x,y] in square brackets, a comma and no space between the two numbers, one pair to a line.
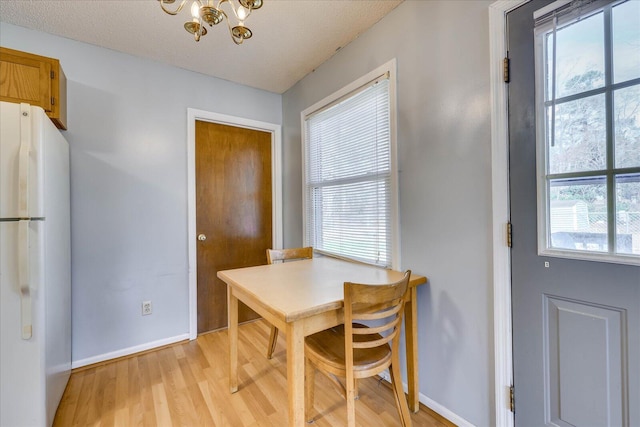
[202,237]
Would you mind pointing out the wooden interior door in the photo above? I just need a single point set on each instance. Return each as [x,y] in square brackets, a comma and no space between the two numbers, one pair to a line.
[233,212]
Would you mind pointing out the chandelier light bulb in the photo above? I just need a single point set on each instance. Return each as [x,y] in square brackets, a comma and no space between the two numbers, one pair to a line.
[242,14]
[195,11]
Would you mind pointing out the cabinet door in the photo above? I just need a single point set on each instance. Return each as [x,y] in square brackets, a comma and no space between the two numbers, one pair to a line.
[24,79]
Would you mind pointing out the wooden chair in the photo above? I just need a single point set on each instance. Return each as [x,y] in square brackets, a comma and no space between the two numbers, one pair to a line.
[353,350]
[282,255]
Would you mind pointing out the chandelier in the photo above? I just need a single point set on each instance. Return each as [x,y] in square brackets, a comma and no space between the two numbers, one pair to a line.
[204,11]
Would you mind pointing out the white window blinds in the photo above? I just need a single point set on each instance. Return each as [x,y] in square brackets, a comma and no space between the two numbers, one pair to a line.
[349,176]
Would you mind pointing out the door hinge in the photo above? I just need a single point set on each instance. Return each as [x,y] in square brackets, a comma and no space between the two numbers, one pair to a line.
[509,234]
[53,75]
[53,101]
[505,69]
[512,402]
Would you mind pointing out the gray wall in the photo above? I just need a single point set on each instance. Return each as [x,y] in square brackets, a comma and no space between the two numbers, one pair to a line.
[127,134]
[444,148]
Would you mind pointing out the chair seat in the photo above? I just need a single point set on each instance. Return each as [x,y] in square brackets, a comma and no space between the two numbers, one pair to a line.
[327,348]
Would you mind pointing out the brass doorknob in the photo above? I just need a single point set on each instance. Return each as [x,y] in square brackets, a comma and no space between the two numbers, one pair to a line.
[202,237]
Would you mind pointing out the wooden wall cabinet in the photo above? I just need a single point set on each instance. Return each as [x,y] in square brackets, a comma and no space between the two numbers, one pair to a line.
[36,80]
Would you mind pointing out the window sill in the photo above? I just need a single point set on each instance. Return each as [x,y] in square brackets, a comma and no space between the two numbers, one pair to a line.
[591,256]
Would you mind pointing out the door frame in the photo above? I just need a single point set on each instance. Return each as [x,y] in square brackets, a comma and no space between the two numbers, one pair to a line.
[276,193]
[502,325]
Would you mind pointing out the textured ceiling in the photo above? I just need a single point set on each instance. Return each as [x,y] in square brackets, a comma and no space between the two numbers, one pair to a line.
[290,37]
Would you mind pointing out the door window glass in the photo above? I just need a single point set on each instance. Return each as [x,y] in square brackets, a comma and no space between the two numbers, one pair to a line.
[625,36]
[580,137]
[579,56]
[588,131]
[626,125]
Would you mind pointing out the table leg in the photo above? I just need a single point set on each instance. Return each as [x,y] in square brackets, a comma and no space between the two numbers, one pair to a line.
[411,339]
[232,311]
[295,374]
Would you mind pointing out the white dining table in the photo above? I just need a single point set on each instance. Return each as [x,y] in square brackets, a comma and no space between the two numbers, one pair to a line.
[302,298]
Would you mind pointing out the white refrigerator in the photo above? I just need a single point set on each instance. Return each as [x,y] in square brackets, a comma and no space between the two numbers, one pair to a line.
[35,266]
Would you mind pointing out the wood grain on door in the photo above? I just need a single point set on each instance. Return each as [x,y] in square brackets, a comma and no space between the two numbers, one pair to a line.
[233,212]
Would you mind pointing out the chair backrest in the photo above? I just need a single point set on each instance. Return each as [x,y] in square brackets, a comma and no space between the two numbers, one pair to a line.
[374,303]
[281,255]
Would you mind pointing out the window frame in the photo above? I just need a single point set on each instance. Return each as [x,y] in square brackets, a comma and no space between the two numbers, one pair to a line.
[609,172]
[345,92]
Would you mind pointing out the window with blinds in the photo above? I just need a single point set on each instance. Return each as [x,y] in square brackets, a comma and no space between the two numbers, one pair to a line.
[350,185]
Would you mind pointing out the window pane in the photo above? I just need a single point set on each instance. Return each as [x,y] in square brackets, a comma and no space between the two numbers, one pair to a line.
[580,136]
[579,56]
[628,214]
[627,126]
[578,214]
[626,41]
[353,220]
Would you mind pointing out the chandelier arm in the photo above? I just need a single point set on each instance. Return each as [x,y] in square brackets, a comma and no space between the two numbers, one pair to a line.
[200,32]
[226,17]
[173,12]
[220,4]
[234,10]
[229,25]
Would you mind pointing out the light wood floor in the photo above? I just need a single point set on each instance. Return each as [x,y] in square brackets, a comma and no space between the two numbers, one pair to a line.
[187,385]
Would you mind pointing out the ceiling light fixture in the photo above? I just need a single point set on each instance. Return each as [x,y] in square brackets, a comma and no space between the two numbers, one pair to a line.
[204,11]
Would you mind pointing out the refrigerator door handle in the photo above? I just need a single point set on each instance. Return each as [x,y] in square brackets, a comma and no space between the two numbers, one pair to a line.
[23,226]
[24,279]
[23,161]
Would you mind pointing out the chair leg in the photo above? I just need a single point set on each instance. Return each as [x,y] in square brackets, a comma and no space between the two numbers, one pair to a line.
[351,401]
[398,393]
[309,387]
[273,339]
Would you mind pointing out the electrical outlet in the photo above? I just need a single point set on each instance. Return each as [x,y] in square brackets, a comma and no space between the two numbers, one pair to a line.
[146,308]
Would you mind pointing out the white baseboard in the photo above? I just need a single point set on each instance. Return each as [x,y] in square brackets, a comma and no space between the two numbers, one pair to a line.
[434,406]
[445,412]
[128,351]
